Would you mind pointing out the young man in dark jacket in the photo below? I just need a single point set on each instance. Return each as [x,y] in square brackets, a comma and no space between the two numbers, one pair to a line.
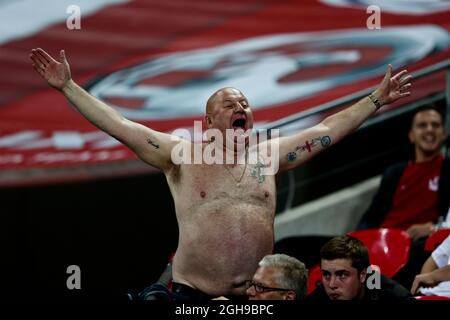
[346,275]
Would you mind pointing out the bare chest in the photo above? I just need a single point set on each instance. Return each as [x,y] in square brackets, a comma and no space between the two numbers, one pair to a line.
[245,184]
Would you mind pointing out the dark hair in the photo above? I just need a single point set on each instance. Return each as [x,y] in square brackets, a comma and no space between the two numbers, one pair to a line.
[435,106]
[346,247]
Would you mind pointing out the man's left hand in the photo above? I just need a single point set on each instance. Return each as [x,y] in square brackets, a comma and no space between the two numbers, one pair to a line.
[418,231]
[393,88]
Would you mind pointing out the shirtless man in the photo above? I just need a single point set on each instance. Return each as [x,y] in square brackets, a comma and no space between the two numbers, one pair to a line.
[225,212]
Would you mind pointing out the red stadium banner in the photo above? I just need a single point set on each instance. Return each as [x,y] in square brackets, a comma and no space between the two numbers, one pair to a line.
[158,62]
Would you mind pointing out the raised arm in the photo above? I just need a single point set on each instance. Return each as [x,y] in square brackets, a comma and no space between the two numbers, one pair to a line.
[299,148]
[151,146]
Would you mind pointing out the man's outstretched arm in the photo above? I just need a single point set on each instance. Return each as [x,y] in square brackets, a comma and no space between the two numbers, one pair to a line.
[151,146]
[299,148]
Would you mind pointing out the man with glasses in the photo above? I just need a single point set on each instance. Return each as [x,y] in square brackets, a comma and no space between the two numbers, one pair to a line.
[278,277]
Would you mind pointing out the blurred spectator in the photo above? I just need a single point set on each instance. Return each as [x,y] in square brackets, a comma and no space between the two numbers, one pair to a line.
[346,275]
[278,277]
[434,279]
[413,195]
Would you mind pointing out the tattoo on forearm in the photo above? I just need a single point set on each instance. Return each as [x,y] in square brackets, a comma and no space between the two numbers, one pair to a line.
[291,156]
[150,142]
[325,141]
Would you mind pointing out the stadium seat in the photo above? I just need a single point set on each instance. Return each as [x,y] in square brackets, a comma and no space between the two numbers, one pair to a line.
[435,239]
[388,248]
[314,276]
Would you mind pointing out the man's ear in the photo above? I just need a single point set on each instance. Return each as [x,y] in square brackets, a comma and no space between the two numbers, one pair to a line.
[208,121]
[363,275]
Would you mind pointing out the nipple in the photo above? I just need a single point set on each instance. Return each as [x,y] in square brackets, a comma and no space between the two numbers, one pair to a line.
[202,194]
[266,194]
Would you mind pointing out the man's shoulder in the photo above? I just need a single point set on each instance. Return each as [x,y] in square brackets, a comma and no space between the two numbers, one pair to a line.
[398,165]
[395,168]
[392,290]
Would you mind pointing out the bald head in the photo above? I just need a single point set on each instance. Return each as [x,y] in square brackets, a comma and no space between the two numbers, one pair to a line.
[212,99]
[224,107]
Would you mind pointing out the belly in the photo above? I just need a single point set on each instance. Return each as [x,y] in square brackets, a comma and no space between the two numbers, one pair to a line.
[220,248]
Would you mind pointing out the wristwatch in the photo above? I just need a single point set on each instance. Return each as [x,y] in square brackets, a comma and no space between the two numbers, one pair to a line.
[375,101]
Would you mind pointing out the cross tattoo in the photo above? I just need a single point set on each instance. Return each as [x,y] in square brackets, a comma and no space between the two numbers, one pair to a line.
[256,171]
[308,146]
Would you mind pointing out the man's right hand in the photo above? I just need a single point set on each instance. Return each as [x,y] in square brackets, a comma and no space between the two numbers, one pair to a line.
[57,74]
[423,280]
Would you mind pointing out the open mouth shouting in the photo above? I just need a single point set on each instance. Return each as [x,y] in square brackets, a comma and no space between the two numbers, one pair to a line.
[239,122]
